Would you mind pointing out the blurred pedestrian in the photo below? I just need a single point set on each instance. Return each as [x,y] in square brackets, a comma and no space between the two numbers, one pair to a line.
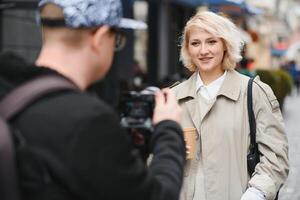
[76,137]
[214,101]
[295,74]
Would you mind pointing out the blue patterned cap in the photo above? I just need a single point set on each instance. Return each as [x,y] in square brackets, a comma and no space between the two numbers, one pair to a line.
[93,13]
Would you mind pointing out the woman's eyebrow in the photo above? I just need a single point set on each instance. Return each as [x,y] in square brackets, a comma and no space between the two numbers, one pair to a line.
[211,38]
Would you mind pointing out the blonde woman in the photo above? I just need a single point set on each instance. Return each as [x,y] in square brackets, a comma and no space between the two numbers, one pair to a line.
[214,101]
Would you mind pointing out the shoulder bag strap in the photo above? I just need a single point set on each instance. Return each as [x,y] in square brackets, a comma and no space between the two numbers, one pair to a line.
[251,117]
[252,124]
[253,155]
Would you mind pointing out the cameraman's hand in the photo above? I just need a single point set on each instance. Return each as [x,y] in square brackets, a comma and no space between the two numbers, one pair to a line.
[166,107]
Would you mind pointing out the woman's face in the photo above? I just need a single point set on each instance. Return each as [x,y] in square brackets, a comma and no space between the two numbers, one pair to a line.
[205,50]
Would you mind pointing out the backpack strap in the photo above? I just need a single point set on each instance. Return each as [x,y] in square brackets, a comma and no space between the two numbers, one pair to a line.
[21,97]
[8,181]
[12,104]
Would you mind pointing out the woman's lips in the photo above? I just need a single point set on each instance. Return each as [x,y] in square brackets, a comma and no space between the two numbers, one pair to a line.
[205,59]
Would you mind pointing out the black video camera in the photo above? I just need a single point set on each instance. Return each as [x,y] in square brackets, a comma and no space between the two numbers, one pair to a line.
[136,110]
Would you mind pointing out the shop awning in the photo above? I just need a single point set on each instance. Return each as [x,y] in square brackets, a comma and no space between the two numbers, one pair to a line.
[209,2]
[227,6]
[223,2]
[192,3]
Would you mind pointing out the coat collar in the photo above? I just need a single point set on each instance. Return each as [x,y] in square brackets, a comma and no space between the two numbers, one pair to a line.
[188,88]
[230,87]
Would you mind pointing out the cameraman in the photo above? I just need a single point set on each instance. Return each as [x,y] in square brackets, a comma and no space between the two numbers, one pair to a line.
[77,138]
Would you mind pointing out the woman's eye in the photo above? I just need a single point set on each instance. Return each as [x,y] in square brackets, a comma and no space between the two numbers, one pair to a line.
[212,41]
[194,43]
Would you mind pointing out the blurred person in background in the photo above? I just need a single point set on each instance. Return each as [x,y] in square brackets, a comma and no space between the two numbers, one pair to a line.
[78,137]
[214,101]
[295,74]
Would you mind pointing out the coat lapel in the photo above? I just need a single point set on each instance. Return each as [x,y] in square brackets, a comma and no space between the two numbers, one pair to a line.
[205,109]
[194,111]
[187,90]
[231,86]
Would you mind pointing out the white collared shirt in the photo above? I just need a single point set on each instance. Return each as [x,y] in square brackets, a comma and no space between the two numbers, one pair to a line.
[211,90]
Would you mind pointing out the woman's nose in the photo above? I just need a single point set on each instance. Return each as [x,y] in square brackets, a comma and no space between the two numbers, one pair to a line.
[203,50]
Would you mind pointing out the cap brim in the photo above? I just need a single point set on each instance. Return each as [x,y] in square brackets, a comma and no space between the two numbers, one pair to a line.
[132,24]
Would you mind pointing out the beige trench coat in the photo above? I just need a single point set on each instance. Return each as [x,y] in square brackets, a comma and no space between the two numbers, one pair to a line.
[223,140]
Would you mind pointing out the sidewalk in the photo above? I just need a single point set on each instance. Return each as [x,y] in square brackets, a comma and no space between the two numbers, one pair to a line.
[291,115]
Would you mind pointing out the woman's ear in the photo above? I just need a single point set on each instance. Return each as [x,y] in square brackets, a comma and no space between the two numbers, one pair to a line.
[99,36]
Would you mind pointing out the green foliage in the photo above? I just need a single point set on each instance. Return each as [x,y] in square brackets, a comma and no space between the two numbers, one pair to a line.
[268,77]
[285,83]
[280,81]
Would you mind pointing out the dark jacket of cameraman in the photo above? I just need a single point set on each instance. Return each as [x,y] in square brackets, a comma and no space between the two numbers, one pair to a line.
[71,146]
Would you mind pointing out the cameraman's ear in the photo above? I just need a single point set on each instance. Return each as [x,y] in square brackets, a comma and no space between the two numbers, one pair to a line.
[99,36]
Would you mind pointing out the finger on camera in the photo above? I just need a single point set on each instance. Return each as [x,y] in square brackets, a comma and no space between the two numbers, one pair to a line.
[159,98]
[170,97]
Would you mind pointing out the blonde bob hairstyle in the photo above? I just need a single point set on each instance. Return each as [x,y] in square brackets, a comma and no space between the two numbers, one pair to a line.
[220,27]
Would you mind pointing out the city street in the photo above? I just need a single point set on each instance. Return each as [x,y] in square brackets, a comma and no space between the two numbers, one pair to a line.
[290,191]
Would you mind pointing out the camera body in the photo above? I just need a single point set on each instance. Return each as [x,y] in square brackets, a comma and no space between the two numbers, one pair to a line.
[136,111]
[137,108]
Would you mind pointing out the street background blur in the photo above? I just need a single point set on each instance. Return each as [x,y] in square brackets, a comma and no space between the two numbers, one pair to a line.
[271,29]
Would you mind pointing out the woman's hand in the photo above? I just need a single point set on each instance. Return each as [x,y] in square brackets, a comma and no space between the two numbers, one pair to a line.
[253,194]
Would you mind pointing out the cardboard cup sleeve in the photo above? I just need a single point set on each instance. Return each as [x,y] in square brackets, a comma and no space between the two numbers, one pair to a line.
[190,137]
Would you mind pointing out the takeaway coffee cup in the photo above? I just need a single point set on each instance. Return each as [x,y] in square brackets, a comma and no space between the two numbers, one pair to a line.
[190,137]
